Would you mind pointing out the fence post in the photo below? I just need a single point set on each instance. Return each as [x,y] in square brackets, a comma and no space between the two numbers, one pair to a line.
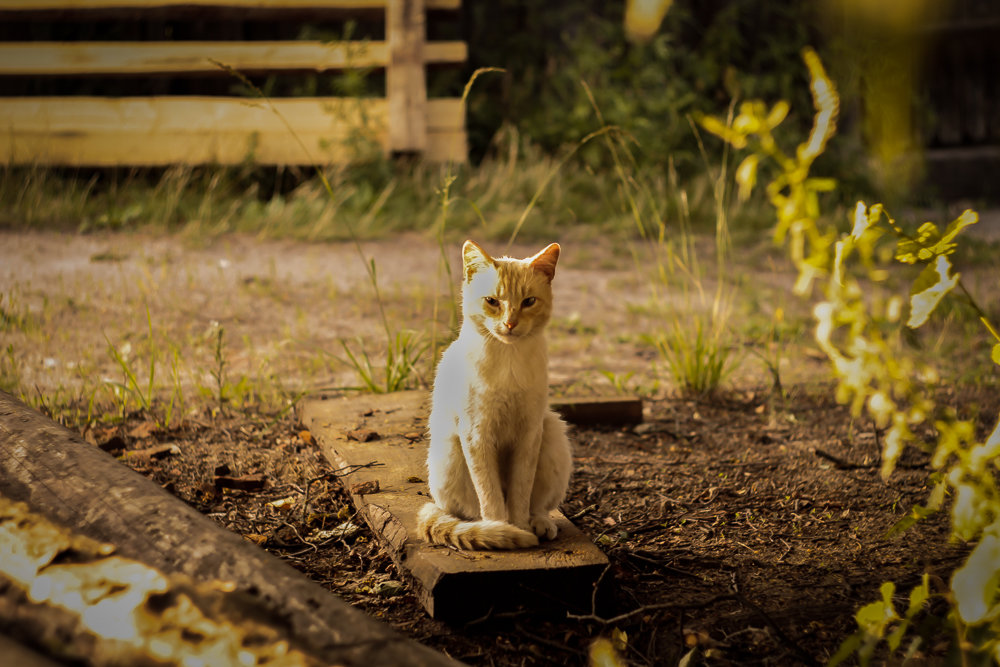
[406,89]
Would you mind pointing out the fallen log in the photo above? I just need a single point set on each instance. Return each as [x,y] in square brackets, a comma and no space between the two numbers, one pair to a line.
[75,484]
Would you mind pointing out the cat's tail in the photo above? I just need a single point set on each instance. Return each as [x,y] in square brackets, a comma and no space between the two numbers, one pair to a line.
[439,527]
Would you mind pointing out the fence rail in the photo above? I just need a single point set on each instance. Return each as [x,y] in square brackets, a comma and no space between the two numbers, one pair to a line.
[198,129]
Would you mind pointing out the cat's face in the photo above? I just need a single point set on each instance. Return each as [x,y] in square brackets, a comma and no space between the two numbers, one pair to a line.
[508,299]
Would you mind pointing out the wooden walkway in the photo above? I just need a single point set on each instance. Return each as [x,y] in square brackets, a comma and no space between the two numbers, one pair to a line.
[383,439]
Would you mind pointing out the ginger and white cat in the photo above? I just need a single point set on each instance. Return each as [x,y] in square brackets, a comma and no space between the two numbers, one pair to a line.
[499,460]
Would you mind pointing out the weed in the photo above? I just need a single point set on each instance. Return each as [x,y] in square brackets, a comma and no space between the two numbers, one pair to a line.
[129,386]
[224,391]
[402,354]
[14,316]
[619,381]
[10,371]
[699,360]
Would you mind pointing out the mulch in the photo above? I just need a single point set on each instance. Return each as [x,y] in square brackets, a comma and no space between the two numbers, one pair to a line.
[743,529]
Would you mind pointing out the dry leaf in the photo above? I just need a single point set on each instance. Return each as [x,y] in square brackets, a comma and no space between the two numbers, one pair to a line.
[142,430]
[363,435]
[365,488]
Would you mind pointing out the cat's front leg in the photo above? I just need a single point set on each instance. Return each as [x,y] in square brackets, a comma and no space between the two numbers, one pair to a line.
[555,460]
[523,465]
[482,458]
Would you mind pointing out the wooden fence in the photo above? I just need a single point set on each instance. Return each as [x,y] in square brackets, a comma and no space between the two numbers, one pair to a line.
[155,130]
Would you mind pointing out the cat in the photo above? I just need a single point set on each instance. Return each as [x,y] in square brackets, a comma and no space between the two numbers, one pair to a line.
[499,460]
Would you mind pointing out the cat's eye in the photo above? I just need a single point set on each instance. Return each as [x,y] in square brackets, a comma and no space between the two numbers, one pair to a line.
[491,301]
[527,303]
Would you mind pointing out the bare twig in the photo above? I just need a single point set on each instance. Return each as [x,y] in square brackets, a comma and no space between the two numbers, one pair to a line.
[301,539]
[840,463]
[652,607]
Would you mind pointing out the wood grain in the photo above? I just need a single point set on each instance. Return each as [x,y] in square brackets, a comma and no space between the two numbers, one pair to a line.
[157,131]
[50,58]
[559,574]
[405,79]
[75,484]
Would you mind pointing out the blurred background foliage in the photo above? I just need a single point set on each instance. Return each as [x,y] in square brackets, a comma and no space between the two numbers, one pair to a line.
[706,54]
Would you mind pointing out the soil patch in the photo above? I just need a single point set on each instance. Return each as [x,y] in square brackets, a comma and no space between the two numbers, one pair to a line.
[746,532]
[748,528]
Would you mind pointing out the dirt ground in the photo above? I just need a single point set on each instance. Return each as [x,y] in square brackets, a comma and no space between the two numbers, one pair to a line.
[747,528]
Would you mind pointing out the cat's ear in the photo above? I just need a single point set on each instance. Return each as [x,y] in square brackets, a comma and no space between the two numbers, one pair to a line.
[474,258]
[545,261]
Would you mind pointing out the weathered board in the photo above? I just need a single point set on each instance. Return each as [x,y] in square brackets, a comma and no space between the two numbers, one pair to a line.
[45,58]
[611,411]
[453,585]
[152,131]
[405,79]
[157,131]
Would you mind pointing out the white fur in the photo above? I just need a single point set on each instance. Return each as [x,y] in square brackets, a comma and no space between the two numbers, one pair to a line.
[499,460]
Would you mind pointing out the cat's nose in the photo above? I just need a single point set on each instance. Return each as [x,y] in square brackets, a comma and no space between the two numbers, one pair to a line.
[510,324]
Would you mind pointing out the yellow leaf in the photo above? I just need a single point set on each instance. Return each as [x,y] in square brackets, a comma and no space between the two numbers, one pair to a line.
[620,639]
[643,17]
[602,654]
[778,113]
[861,220]
[746,175]
[930,287]
[975,584]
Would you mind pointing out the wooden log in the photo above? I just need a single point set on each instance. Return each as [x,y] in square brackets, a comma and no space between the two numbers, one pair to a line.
[158,131]
[16,653]
[48,58]
[98,608]
[77,485]
[405,79]
[560,574]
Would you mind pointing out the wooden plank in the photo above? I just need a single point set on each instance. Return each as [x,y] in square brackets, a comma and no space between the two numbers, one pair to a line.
[47,58]
[204,130]
[250,4]
[405,79]
[616,410]
[73,483]
[559,574]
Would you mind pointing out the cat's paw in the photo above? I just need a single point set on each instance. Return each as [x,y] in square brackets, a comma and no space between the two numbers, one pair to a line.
[544,527]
